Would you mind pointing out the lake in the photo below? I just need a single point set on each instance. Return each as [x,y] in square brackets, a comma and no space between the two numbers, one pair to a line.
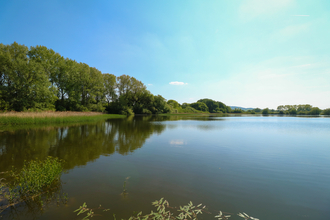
[268,167]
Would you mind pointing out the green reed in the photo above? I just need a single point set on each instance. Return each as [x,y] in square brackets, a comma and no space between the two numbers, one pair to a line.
[13,120]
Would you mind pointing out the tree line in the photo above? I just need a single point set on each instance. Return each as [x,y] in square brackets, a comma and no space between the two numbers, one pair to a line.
[41,79]
[38,78]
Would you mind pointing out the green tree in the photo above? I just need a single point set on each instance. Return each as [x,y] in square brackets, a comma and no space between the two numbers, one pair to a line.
[315,111]
[292,111]
[110,86]
[201,106]
[326,111]
[265,111]
[24,85]
[173,103]
[257,110]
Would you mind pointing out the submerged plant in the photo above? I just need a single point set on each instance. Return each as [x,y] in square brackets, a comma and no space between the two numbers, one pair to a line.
[35,179]
[165,211]
[124,186]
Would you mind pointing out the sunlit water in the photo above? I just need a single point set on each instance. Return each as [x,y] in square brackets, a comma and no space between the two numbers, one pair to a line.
[269,167]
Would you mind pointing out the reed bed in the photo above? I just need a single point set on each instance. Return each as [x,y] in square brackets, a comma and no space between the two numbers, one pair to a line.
[50,117]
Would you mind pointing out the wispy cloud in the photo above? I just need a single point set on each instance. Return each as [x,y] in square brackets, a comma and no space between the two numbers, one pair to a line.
[149,84]
[301,15]
[178,83]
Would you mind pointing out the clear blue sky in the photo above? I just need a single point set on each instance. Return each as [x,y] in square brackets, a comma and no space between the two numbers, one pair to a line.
[249,53]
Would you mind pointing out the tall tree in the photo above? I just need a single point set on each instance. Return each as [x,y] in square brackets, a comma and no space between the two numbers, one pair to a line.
[23,80]
[110,86]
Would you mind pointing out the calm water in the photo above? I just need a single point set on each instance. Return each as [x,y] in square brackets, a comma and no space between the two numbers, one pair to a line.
[269,167]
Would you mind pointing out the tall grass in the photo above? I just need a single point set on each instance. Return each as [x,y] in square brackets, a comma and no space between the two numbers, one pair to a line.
[49,117]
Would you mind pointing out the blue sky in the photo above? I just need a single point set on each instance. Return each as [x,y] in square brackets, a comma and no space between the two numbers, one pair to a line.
[249,53]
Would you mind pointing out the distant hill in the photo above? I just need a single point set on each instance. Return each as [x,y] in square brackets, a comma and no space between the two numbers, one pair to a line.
[245,109]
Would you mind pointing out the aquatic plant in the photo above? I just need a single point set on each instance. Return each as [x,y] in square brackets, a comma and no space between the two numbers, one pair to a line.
[33,180]
[124,186]
[165,211]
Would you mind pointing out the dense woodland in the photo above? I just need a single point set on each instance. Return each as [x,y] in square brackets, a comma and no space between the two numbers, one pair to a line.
[40,79]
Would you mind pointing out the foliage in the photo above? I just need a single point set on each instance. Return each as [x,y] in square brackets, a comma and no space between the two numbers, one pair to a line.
[292,111]
[41,79]
[165,211]
[305,109]
[215,106]
[23,82]
[326,111]
[315,111]
[237,110]
[201,106]
[265,111]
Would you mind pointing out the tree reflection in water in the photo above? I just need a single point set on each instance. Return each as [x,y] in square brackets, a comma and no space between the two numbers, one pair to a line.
[76,145]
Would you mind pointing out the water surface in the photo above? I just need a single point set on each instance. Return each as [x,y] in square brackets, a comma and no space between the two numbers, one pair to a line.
[268,167]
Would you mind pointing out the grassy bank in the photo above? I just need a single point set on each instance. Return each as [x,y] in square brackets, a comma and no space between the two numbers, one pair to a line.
[31,118]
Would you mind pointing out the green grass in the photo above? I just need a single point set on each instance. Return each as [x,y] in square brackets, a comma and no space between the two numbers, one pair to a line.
[15,120]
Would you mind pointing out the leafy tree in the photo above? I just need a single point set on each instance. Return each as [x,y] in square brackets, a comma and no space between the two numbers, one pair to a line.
[265,111]
[24,85]
[173,103]
[237,110]
[215,106]
[326,111]
[110,86]
[257,110]
[201,106]
[293,111]
[315,111]
[306,107]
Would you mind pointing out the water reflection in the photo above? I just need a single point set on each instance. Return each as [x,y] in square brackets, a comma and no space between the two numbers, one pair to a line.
[76,145]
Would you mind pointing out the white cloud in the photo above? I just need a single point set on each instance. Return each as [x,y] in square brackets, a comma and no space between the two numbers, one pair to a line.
[253,8]
[149,84]
[178,83]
